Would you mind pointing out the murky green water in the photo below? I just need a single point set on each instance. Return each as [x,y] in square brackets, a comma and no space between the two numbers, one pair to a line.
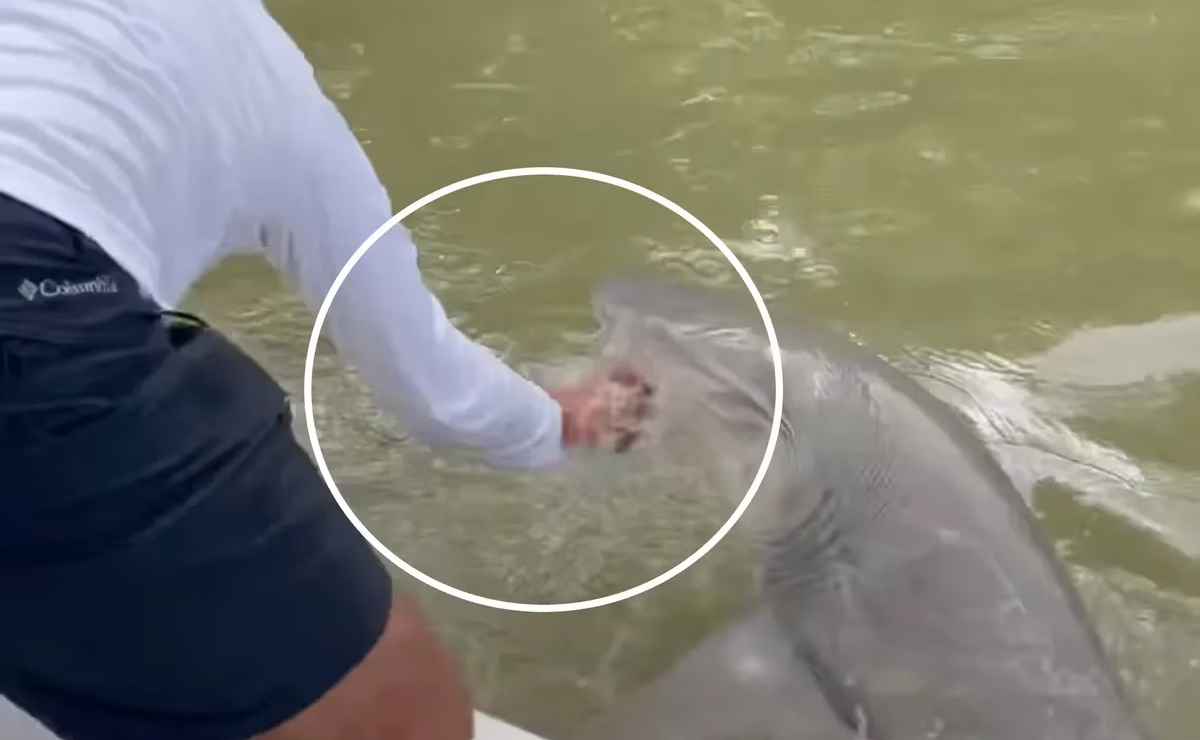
[982,191]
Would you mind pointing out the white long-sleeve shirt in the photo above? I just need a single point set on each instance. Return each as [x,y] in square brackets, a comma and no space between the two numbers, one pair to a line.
[174,132]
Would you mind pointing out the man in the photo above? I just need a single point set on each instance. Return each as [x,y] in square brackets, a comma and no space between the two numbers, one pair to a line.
[172,567]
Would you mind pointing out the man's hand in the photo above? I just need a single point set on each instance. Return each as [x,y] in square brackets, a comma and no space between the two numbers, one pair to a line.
[605,411]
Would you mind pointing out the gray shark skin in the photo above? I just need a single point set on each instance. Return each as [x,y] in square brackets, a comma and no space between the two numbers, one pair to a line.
[909,592]
[755,685]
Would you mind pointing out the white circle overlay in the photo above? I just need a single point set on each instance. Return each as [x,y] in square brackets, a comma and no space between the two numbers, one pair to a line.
[776,360]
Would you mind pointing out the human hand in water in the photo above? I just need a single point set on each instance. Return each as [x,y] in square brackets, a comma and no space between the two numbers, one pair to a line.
[607,410]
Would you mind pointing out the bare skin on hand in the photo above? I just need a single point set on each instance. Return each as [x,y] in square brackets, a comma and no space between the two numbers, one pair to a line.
[607,410]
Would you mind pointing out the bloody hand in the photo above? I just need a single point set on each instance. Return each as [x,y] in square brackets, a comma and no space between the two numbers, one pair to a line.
[605,411]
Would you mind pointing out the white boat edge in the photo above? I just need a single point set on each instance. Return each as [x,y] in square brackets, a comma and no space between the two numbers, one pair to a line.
[488,727]
[16,725]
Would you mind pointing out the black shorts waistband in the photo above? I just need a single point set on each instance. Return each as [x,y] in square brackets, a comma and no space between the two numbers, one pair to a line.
[102,388]
[77,333]
[57,285]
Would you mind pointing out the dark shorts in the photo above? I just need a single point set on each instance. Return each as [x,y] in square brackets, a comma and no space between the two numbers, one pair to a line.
[172,566]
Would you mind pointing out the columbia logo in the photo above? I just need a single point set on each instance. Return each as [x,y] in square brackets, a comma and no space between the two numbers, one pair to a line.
[30,290]
[27,289]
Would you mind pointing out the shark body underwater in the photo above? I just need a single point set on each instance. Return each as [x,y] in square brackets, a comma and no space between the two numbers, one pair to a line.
[905,591]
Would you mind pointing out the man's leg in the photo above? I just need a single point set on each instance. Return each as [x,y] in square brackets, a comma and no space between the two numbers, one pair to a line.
[406,687]
[172,565]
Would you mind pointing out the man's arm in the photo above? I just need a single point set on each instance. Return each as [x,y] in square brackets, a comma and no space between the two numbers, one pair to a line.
[326,200]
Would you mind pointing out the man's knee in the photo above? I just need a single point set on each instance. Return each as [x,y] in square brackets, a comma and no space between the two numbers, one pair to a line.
[407,688]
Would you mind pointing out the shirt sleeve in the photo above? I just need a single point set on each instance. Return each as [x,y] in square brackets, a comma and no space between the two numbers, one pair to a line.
[325,199]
